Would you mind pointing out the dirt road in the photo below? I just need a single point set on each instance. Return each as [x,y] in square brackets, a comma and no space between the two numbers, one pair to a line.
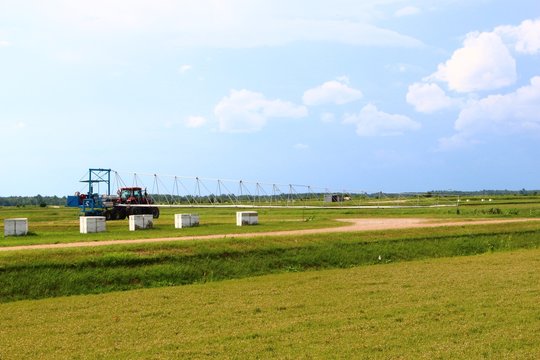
[353,225]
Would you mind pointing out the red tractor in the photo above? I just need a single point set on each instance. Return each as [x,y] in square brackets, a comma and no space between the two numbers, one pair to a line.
[129,202]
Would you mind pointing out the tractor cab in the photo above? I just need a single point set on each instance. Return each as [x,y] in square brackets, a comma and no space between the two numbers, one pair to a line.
[133,195]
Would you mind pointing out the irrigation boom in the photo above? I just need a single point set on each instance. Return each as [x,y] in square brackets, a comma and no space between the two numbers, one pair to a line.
[146,193]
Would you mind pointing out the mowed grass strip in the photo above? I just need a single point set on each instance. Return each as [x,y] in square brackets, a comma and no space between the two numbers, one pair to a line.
[473,307]
[41,274]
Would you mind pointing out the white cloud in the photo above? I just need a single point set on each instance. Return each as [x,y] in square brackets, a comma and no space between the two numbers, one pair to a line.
[11,127]
[516,112]
[428,98]
[483,63]
[524,38]
[195,121]
[70,56]
[328,117]
[372,122]
[455,142]
[407,11]
[332,92]
[248,111]
[185,68]
[301,146]
[228,23]
[4,43]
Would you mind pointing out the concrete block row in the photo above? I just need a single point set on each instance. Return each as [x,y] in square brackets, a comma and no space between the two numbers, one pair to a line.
[96,224]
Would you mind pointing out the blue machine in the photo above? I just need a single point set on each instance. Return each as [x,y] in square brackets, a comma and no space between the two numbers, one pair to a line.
[133,200]
[91,204]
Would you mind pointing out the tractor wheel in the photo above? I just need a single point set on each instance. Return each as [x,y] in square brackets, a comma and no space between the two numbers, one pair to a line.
[108,215]
[119,213]
[155,212]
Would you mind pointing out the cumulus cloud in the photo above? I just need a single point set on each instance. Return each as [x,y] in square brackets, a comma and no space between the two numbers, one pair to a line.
[499,114]
[372,122]
[428,98]
[248,111]
[195,121]
[332,92]
[514,112]
[483,63]
[524,38]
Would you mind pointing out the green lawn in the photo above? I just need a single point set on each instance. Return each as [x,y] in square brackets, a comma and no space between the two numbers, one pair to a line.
[474,307]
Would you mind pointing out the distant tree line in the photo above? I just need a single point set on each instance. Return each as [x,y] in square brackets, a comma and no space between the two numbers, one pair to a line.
[522,192]
[37,200]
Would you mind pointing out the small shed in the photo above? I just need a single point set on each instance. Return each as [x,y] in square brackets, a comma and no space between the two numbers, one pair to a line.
[333,198]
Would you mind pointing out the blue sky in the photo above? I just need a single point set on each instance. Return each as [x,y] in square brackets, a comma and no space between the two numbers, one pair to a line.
[375,95]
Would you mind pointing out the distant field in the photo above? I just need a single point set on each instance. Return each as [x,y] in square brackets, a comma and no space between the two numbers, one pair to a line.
[58,225]
[467,307]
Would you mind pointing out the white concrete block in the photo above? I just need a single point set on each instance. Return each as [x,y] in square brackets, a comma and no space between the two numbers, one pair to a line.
[15,227]
[185,220]
[92,224]
[140,222]
[247,218]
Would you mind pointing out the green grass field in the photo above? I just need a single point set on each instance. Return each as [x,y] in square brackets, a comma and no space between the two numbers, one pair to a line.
[59,225]
[59,272]
[476,307]
[469,291]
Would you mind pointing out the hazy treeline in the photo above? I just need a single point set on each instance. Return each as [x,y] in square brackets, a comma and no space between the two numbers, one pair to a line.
[37,200]
[522,192]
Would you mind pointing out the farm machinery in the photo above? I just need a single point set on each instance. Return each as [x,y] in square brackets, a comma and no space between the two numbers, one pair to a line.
[127,201]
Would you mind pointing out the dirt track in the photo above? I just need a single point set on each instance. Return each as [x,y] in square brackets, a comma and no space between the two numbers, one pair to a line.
[353,225]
